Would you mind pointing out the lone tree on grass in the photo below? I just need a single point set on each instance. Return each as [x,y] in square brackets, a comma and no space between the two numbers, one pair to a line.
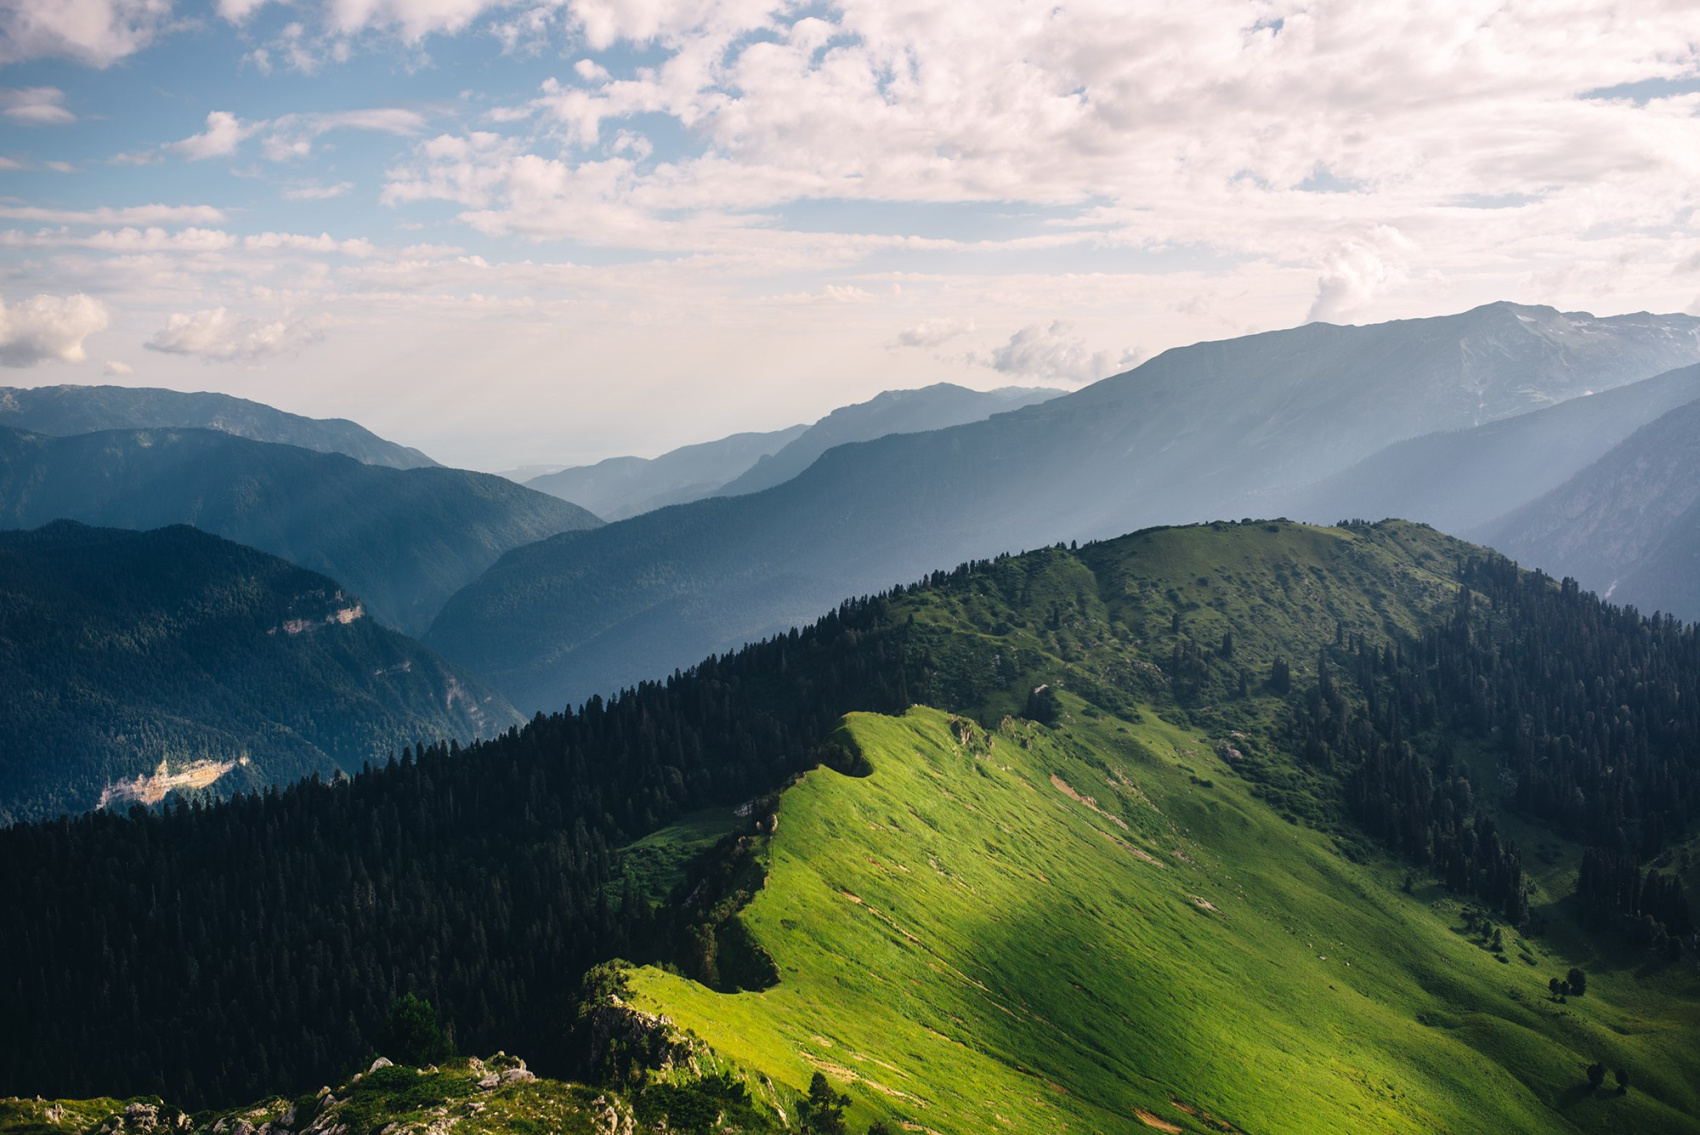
[823,1112]
[1622,1075]
[412,1035]
[1596,1076]
[1578,981]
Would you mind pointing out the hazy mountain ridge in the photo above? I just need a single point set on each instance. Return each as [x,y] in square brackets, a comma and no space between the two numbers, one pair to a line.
[1462,479]
[1232,428]
[623,487]
[1628,525]
[136,662]
[620,487]
[61,411]
[403,539]
[933,407]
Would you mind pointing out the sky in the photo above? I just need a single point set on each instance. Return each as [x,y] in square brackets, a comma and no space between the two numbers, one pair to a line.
[515,233]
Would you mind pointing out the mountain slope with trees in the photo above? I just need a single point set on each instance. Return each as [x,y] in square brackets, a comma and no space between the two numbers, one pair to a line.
[61,411]
[1289,720]
[137,664]
[557,621]
[402,539]
[1628,525]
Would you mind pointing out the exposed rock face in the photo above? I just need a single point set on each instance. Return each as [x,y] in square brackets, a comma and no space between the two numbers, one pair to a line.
[628,1039]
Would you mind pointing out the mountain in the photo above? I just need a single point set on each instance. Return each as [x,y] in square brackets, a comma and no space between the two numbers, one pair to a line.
[401,539]
[1461,479]
[626,486]
[933,407]
[1214,829]
[136,663]
[1628,525]
[623,487]
[1234,428]
[61,411]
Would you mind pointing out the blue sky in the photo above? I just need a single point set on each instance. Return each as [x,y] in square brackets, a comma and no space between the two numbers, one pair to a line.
[518,233]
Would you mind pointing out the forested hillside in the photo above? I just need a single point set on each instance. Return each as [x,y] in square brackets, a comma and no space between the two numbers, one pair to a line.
[137,664]
[1409,699]
[402,539]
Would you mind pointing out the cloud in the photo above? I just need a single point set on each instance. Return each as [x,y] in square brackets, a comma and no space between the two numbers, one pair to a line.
[46,328]
[1357,274]
[96,33]
[223,134]
[317,192]
[214,335]
[290,136]
[1054,352]
[106,215]
[35,106]
[932,333]
[116,369]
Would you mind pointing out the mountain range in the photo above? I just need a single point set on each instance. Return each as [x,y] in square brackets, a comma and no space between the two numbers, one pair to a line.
[61,411]
[1234,428]
[404,540]
[622,487]
[138,664]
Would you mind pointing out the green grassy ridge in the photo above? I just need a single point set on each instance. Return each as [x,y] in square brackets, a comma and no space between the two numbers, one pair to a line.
[1009,961]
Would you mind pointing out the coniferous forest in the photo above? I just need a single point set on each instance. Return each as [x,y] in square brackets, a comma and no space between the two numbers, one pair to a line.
[213,952]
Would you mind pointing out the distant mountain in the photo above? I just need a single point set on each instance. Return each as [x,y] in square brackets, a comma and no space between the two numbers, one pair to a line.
[623,487]
[135,663]
[933,407]
[626,486]
[403,539]
[1227,429]
[61,411]
[1460,479]
[1627,526]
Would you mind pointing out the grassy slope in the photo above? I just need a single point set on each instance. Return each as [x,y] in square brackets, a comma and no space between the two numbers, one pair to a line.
[1011,966]
[970,948]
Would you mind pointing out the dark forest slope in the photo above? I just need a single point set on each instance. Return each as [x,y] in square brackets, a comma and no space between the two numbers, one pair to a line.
[137,663]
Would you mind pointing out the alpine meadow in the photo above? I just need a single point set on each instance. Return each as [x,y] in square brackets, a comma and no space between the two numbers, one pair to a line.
[629,567]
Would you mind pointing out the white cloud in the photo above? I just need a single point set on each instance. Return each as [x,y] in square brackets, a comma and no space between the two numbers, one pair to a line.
[932,333]
[223,134]
[97,33]
[35,106]
[46,328]
[290,136]
[106,215]
[317,192]
[1052,353]
[116,369]
[1357,274]
[214,335]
